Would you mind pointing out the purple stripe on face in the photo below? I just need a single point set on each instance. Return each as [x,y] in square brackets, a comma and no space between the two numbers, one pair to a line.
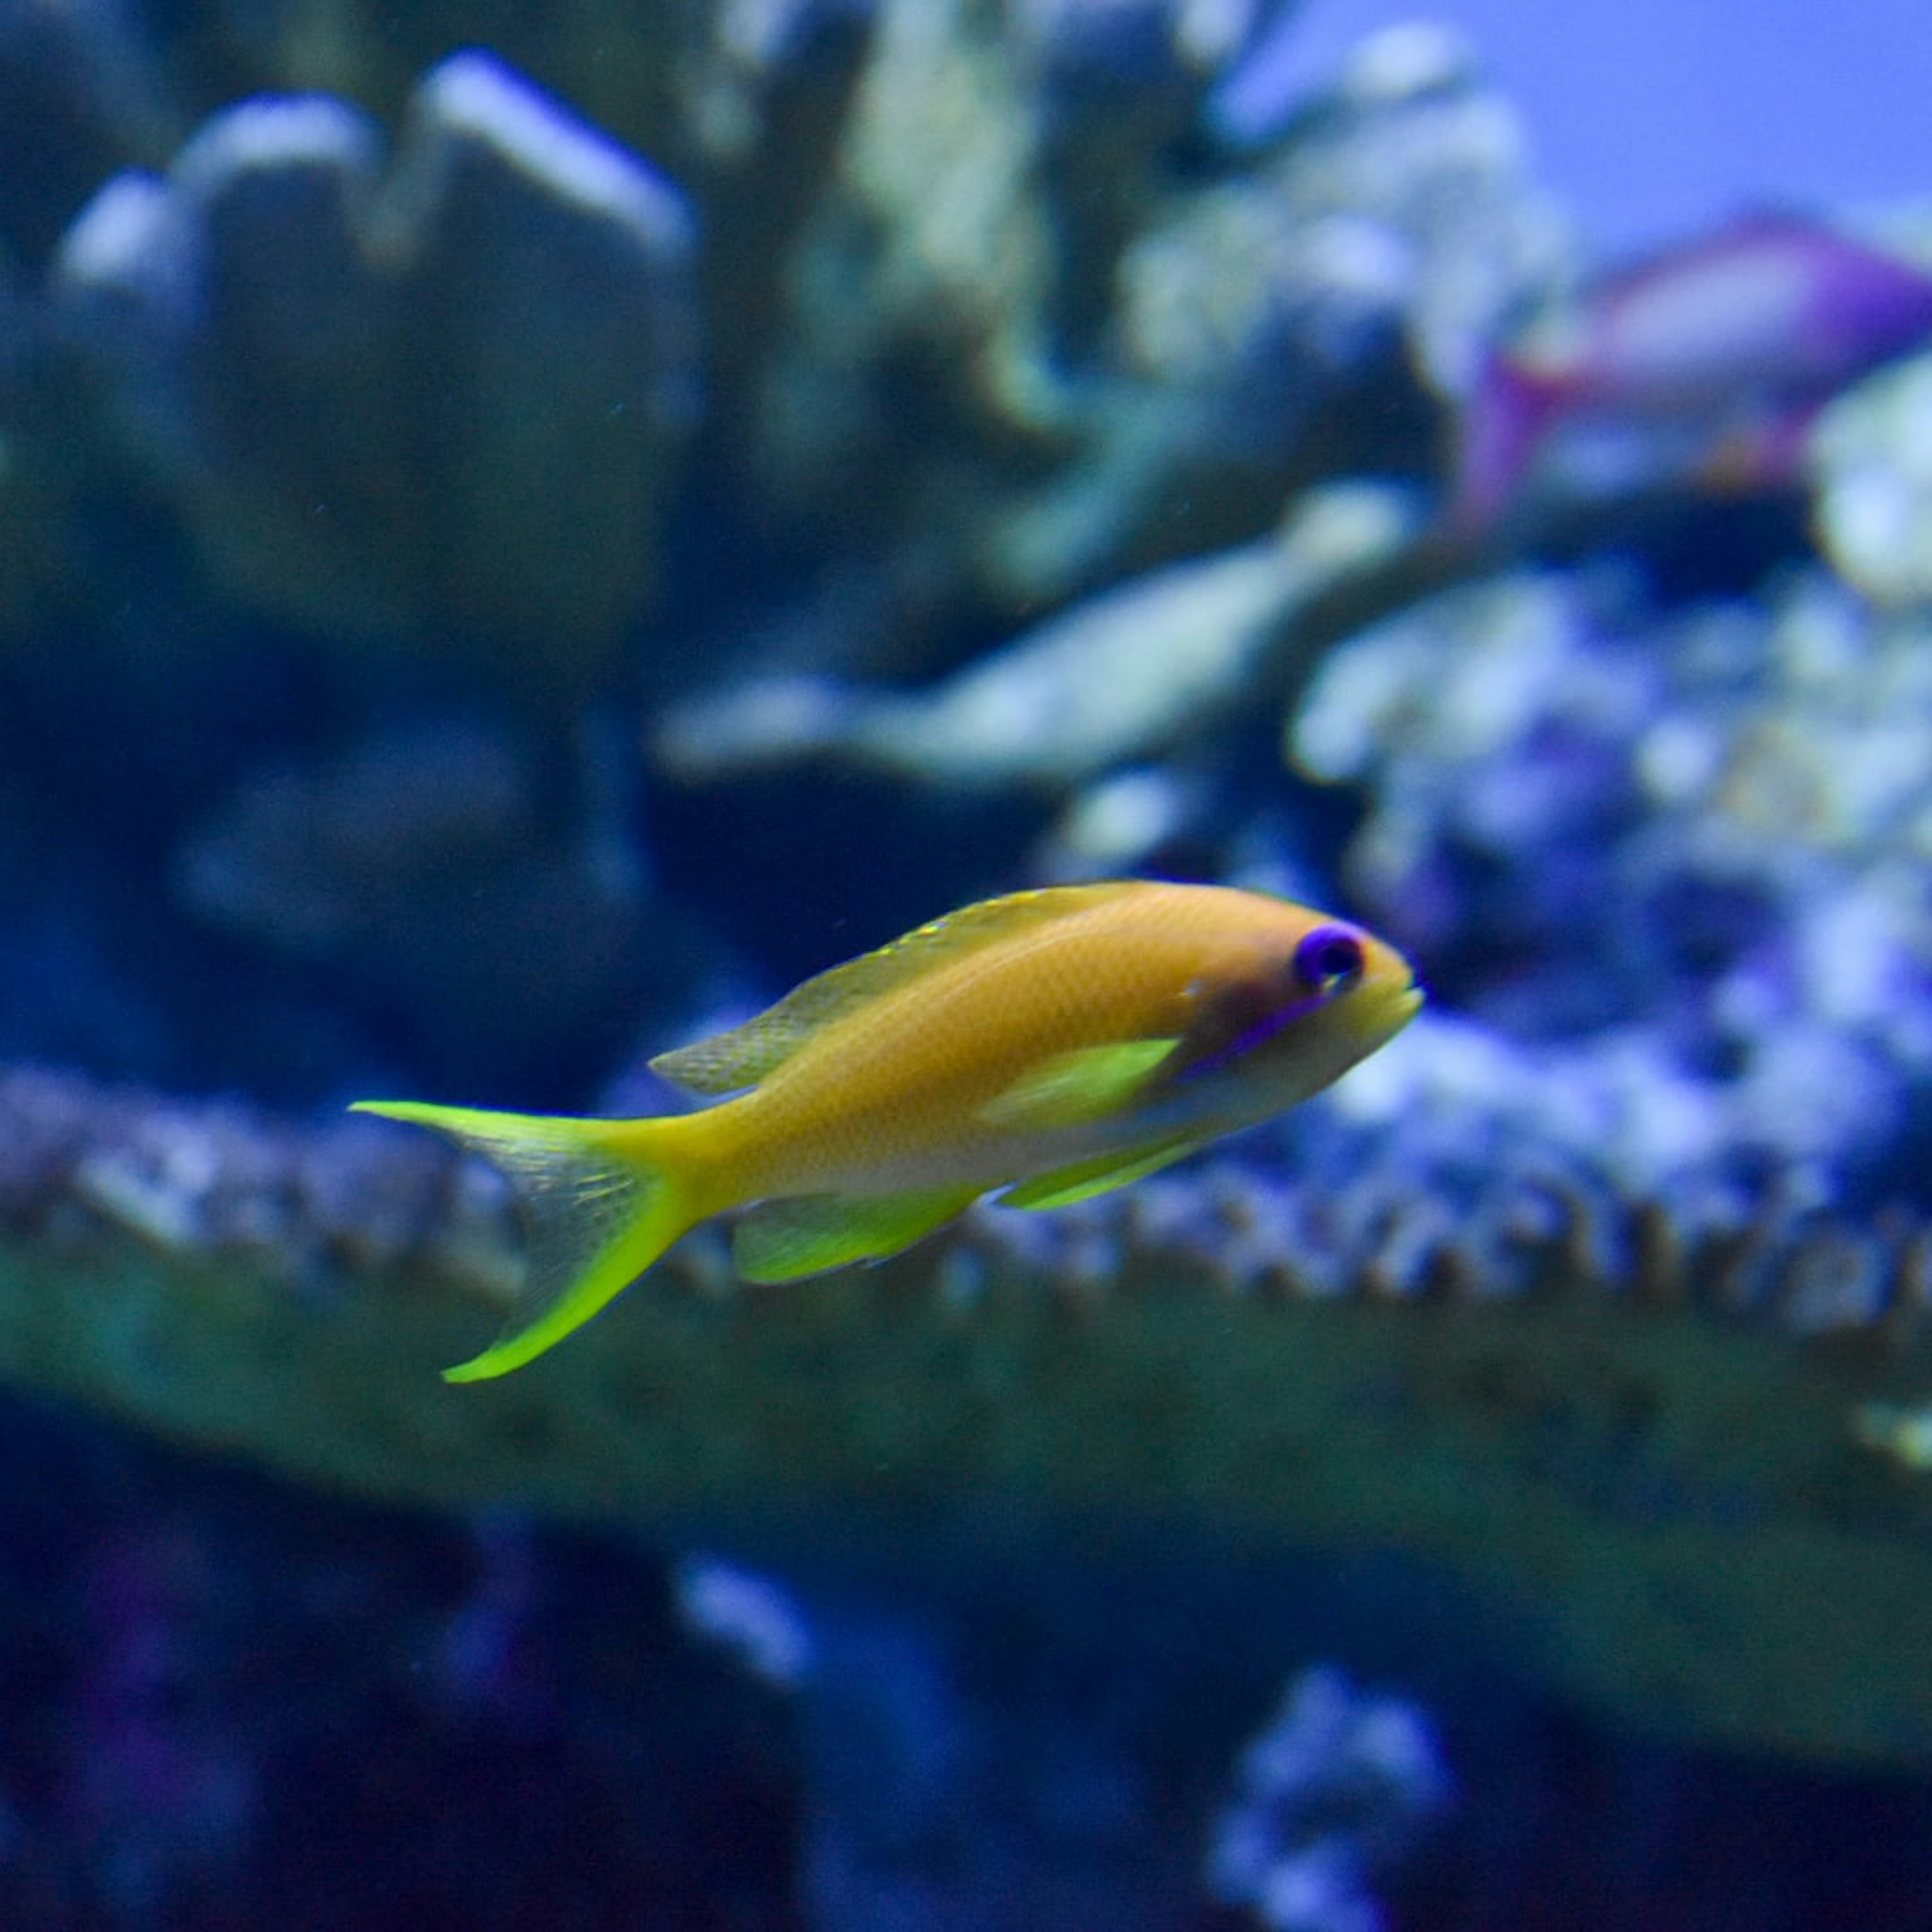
[1326,959]
[1258,1034]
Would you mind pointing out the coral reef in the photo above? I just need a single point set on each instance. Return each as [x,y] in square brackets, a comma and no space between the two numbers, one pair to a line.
[1083,695]
[1253,319]
[447,394]
[507,556]
[1705,829]
[1634,1430]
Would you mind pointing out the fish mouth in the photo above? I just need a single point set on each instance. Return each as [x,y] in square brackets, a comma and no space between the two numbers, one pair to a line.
[1395,1005]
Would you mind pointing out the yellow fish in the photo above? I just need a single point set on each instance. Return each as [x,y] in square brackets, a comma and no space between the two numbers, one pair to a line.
[1052,1044]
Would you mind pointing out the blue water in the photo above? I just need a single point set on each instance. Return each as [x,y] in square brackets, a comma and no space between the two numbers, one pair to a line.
[1650,119]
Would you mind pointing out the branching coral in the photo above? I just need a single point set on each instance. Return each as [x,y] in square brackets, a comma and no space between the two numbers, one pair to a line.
[965,334]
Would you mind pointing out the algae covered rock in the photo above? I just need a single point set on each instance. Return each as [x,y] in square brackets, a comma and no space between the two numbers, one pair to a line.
[1126,675]
[1632,1433]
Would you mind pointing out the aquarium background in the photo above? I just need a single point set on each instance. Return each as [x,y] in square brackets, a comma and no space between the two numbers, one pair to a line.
[523,532]
[1650,121]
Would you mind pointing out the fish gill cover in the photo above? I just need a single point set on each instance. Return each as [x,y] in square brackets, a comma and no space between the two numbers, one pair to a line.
[509,559]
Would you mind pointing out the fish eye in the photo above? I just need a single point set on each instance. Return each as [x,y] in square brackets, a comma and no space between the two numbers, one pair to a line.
[1328,953]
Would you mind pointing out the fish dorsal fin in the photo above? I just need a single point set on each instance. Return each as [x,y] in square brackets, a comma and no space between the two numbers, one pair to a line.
[786,1239]
[728,1062]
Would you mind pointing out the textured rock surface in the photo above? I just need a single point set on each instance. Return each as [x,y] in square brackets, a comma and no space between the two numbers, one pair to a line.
[450,391]
[1637,1443]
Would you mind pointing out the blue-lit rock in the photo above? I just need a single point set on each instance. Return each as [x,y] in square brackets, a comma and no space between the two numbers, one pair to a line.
[1686,845]
[1871,463]
[449,389]
[1336,1789]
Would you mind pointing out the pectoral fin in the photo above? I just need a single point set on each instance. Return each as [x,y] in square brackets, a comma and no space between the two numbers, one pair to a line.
[1070,1089]
[1085,1178]
[785,1241]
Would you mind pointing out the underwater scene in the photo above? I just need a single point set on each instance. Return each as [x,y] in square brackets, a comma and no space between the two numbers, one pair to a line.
[1217,810]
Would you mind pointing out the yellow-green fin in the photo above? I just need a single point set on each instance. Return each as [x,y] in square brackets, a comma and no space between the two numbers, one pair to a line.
[741,1058]
[1069,1090]
[1085,1178]
[598,1210]
[785,1241]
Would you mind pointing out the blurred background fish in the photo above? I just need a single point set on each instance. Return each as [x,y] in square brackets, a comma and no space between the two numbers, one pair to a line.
[1709,358]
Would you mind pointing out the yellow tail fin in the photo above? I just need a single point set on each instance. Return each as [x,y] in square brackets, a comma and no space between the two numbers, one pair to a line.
[600,1203]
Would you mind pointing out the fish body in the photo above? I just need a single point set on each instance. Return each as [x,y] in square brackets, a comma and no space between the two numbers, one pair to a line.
[1052,1044]
[1729,339]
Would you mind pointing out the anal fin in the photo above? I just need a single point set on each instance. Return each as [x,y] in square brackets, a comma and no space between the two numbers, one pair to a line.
[1097,1175]
[786,1239]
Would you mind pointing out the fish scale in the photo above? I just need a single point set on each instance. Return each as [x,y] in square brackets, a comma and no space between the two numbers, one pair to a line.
[843,1109]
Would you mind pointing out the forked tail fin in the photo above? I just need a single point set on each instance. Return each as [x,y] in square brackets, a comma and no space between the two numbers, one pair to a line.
[599,1202]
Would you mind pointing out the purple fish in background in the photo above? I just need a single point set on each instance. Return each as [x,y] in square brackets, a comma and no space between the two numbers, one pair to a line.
[1706,361]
